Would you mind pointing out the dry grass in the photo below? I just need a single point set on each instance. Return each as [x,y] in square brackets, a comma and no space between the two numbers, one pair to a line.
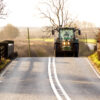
[44,49]
[84,50]
[3,63]
[38,48]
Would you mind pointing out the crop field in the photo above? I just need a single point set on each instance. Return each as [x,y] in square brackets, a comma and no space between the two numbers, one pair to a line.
[39,48]
[42,39]
[93,41]
[43,48]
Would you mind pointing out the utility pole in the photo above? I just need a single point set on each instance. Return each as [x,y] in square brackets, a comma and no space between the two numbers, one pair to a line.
[86,38]
[29,50]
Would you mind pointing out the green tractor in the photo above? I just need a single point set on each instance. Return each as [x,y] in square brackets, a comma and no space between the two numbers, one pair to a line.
[67,42]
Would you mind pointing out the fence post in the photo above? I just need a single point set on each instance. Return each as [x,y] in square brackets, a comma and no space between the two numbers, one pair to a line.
[29,50]
[86,38]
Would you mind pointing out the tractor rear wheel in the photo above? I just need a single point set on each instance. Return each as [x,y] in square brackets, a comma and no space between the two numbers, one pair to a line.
[76,50]
[56,54]
[56,51]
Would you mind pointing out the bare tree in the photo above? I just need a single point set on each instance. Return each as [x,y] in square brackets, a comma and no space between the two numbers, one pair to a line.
[57,13]
[2,13]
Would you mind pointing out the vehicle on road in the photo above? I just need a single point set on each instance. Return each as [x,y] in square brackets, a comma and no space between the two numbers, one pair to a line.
[66,41]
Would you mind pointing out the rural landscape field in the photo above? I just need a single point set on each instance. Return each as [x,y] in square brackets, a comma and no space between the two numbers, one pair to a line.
[43,46]
[49,50]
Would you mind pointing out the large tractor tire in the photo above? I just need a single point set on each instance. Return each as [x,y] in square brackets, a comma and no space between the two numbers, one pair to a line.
[56,54]
[56,51]
[76,50]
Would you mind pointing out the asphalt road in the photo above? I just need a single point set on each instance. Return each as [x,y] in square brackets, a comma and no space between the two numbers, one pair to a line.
[26,79]
[78,78]
[49,79]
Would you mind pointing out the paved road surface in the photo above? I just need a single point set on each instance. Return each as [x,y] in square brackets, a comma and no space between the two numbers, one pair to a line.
[78,79]
[49,79]
[27,79]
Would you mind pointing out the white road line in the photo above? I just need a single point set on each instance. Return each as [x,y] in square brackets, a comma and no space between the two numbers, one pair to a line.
[51,81]
[60,86]
[93,68]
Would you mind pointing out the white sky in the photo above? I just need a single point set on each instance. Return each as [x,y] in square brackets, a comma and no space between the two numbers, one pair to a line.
[24,12]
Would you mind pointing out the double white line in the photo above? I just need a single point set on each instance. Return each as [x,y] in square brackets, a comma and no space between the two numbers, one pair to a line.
[55,84]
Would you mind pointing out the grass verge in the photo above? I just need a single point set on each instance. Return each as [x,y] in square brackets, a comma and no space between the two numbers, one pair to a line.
[3,63]
[41,39]
[94,59]
[93,41]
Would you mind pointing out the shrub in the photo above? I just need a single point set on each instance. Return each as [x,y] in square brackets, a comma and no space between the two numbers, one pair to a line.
[94,58]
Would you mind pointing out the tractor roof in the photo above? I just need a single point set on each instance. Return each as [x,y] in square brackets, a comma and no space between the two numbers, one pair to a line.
[70,28]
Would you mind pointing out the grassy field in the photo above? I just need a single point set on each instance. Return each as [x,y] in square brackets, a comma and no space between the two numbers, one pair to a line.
[93,41]
[44,48]
[39,48]
[41,39]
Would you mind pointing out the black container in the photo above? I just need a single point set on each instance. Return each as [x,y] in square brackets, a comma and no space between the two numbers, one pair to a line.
[9,48]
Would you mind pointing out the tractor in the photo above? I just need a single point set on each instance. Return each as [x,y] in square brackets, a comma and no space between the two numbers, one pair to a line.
[66,41]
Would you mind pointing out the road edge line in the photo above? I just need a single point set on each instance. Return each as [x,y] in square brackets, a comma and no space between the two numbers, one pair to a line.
[51,81]
[58,82]
[93,68]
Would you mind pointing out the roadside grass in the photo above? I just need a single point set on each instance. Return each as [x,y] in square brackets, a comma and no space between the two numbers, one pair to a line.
[3,63]
[95,61]
[84,50]
[42,39]
[52,40]
[93,41]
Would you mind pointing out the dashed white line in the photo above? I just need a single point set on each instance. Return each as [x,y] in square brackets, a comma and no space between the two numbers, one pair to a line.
[93,68]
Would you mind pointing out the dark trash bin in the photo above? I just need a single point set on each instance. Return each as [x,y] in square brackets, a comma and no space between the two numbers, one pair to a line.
[9,48]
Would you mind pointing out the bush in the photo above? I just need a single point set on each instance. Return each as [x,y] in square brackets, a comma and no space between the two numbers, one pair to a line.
[9,31]
[94,58]
[3,63]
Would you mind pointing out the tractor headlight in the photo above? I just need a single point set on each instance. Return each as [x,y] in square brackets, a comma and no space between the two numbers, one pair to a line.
[67,43]
[63,43]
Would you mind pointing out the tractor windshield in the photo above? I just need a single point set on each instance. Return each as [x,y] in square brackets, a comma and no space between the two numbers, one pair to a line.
[66,34]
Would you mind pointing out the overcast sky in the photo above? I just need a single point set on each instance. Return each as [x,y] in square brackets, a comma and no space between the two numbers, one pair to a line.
[24,12]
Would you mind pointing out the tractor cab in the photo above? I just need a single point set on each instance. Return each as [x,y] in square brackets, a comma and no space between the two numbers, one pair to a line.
[66,34]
